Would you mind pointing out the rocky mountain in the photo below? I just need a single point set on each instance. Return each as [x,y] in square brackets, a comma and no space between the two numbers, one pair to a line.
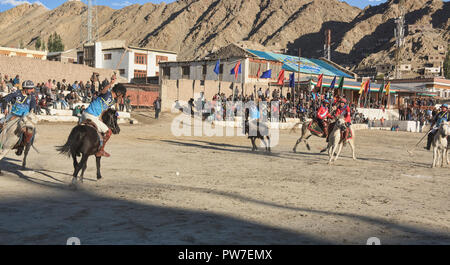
[194,28]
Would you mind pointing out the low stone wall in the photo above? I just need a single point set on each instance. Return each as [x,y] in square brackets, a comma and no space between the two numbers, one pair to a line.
[405,126]
[40,71]
[388,114]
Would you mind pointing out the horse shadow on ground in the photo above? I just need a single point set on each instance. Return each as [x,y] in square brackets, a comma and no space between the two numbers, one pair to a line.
[10,165]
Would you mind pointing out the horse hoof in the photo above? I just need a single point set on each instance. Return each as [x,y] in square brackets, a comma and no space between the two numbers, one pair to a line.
[99,177]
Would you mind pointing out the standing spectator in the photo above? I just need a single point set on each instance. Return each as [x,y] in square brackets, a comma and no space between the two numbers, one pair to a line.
[157,106]
[128,103]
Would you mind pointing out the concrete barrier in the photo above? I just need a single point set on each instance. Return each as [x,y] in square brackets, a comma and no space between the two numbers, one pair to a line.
[388,114]
[405,126]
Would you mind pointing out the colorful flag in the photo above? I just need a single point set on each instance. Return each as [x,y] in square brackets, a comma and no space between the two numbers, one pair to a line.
[217,68]
[235,70]
[381,88]
[292,80]
[320,81]
[259,72]
[281,78]
[267,74]
[388,88]
[341,85]
[367,88]
[333,83]
[363,85]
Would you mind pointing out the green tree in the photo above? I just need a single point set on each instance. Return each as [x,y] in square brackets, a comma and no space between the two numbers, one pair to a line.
[55,43]
[43,46]
[38,43]
[447,64]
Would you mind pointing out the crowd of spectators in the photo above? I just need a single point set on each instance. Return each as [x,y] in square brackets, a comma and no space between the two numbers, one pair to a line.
[53,94]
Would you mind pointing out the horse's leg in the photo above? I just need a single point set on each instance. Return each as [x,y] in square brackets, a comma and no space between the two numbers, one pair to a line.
[268,140]
[435,154]
[306,142]
[82,171]
[331,150]
[299,139]
[80,166]
[352,146]
[339,151]
[97,160]
[264,141]
[25,154]
[254,147]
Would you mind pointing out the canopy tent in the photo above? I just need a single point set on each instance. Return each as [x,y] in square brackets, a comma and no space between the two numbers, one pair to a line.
[307,66]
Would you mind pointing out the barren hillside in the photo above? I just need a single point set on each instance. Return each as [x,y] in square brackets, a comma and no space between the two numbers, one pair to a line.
[196,27]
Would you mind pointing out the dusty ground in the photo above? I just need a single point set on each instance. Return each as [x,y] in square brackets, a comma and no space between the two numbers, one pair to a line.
[224,193]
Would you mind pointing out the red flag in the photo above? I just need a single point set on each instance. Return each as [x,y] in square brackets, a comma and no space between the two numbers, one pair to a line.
[319,81]
[281,78]
[236,69]
[366,88]
[259,72]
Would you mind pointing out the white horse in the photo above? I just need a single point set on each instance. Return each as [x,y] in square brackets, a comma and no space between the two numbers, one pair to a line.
[13,131]
[441,145]
[336,142]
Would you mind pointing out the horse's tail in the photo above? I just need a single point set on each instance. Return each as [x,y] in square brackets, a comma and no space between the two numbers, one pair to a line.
[74,138]
[295,126]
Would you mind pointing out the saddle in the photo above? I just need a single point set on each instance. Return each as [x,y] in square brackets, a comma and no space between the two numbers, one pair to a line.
[93,125]
[347,132]
[315,129]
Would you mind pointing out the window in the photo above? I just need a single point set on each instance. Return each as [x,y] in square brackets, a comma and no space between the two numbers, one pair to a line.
[140,74]
[166,72]
[122,71]
[185,72]
[161,59]
[140,58]
[107,56]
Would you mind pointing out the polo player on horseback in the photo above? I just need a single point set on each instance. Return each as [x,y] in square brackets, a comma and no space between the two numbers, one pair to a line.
[322,114]
[344,110]
[24,102]
[442,116]
[103,102]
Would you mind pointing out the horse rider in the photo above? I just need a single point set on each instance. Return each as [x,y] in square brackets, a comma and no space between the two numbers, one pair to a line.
[322,114]
[344,110]
[97,107]
[24,102]
[441,116]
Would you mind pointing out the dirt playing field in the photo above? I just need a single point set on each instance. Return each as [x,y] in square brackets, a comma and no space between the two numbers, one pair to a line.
[162,189]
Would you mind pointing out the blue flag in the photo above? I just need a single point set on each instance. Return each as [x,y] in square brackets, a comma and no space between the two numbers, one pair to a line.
[217,68]
[292,80]
[239,71]
[267,74]
[333,83]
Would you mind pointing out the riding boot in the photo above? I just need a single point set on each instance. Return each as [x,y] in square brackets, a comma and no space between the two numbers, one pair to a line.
[102,151]
[325,131]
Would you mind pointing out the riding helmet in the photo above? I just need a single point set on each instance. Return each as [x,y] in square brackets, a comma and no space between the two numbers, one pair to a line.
[343,100]
[444,106]
[28,84]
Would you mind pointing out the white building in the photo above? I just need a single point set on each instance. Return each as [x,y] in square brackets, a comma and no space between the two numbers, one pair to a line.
[130,62]
[5,51]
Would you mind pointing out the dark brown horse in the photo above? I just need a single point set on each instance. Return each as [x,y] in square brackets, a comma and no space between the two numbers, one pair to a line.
[256,130]
[84,141]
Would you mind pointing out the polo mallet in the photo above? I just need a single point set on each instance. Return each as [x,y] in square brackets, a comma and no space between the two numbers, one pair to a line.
[410,152]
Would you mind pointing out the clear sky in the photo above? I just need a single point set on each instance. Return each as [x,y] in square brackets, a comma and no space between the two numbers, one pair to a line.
[117,4]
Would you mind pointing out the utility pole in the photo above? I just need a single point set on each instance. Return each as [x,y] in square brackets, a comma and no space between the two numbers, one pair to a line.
[298,75]
[327,45]
[399,32]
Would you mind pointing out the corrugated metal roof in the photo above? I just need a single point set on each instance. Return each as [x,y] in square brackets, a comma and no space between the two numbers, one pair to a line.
[307,66]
